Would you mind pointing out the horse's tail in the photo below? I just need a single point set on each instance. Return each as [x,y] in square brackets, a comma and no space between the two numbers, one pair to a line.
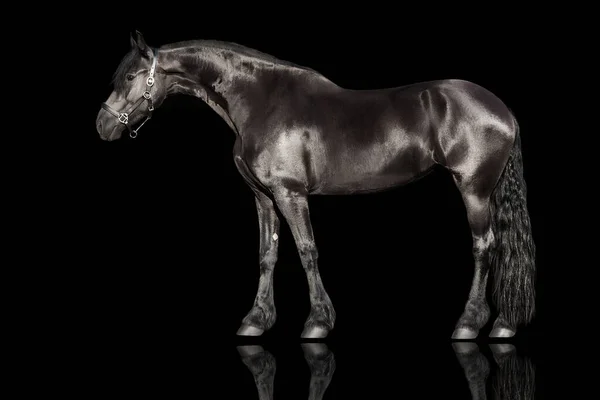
[513,259]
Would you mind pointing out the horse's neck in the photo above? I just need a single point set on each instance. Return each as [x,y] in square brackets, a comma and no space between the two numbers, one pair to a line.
[181,85]
[211,75]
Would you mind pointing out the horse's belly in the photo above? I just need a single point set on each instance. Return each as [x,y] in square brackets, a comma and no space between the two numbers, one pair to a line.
[368,184]
[372,171]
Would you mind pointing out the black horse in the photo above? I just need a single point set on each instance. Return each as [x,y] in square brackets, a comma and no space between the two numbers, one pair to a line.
[299,134]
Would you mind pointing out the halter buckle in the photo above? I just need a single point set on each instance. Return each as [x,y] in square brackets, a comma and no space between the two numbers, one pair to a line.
[123,118]
[146,95]
[150,81]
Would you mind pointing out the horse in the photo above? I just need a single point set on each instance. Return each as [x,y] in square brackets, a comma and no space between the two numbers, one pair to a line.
[299,134]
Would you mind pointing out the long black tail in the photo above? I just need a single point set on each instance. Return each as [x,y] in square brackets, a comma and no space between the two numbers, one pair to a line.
[513,261]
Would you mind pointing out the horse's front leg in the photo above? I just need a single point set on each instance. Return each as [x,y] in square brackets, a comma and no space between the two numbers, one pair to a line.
[262,315]
[294,207]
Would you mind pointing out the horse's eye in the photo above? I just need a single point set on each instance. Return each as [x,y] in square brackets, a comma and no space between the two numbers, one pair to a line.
[130,77]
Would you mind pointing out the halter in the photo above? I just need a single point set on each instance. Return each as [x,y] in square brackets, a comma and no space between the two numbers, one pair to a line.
[146,96]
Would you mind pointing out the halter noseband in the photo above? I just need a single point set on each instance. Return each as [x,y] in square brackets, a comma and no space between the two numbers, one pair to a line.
[146,96]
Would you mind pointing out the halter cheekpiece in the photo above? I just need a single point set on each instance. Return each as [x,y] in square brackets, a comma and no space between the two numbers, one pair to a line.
[123,117]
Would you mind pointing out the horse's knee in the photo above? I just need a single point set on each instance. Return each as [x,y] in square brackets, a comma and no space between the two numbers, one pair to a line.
[268,259]
[308,254]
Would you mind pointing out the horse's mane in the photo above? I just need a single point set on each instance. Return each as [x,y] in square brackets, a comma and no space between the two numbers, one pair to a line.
[236,48]
[132,57]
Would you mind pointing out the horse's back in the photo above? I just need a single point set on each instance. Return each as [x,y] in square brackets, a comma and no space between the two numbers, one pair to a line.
[390,137]
[335,141]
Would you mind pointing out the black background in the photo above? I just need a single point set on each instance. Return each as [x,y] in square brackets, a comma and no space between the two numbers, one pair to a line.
[158,238]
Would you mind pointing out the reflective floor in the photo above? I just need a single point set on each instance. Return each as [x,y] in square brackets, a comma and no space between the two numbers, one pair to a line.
[172,368]
[501,374]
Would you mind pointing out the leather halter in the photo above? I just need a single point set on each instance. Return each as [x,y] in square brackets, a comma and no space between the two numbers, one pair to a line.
[123,117]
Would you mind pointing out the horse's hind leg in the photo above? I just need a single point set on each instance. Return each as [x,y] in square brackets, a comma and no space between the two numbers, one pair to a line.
[294,207]
[262,315]
[477,311]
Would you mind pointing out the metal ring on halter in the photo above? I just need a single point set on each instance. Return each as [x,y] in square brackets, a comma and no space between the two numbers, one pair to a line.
[123,118]
[133,133]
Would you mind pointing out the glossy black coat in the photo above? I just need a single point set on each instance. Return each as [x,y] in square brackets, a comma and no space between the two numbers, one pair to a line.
[299,134]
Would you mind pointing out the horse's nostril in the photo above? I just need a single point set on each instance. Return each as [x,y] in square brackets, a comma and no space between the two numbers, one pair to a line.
[99,126]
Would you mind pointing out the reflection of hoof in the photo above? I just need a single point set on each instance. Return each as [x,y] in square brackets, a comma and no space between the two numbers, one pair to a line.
[314,332]
[247,330]
[464,333]
[314,349]
[247,351]
[502,348]
[464,347]
[502,333]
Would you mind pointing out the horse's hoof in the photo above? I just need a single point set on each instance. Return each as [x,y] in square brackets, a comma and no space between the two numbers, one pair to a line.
[502,333]
[314,332]
[464,333]
[248,330]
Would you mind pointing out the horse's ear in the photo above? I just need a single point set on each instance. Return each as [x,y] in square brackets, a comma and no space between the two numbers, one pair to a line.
[138,42]
[132,40]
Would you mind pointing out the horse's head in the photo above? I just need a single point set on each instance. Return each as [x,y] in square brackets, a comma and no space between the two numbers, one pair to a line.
[139,88]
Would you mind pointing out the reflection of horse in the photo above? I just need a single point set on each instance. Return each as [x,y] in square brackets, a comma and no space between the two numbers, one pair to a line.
[261,364]
[299,134]
[514,377]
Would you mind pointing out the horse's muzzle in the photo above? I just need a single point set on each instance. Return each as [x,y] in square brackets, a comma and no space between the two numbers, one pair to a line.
[106,130]
[114,134]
